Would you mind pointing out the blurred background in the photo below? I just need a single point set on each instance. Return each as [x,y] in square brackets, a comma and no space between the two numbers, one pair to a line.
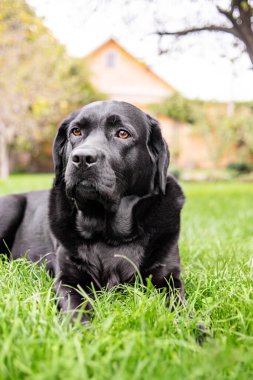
[187,63]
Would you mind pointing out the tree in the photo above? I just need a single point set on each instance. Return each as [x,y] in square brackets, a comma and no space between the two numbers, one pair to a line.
[39,82]
[238,22]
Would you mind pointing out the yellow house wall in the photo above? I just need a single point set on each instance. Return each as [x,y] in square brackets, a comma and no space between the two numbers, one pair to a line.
[189,149]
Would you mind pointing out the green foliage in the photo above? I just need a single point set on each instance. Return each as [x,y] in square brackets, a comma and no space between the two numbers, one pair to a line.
[211,120]
[180,108]
[240,167]
[133,335]
[242,129]
[234,131]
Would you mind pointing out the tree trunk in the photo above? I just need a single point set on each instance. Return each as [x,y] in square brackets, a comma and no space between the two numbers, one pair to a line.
[4,157]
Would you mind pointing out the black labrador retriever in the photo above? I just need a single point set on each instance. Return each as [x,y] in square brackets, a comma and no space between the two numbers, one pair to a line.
[112,212]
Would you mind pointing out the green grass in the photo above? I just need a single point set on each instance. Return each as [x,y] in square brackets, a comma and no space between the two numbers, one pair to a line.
[133,335]
[19,183]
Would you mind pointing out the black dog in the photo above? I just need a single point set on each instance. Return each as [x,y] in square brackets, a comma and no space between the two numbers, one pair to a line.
[112,211]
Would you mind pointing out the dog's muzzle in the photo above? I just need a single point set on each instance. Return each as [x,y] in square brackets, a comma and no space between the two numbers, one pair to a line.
[89,176]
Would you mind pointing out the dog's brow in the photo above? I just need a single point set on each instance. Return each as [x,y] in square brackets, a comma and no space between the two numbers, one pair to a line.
[113,119]
[82,121]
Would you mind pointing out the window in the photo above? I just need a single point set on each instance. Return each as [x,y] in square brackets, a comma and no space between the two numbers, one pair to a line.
[110,58]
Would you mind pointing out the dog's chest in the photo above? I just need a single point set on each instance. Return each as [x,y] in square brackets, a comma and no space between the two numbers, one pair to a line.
[111,265]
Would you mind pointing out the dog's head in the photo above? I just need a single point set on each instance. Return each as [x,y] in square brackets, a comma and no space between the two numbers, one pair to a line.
[108,150]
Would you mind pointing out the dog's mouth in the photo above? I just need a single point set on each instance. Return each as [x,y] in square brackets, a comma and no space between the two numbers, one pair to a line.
[85,191]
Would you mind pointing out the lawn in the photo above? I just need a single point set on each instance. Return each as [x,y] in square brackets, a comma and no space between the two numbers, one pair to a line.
[133,335]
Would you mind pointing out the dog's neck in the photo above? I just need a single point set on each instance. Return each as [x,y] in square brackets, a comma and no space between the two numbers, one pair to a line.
[94,221]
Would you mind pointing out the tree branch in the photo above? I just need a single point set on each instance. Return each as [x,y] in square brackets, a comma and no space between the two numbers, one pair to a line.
[241,25]
[227,14]
[209,28]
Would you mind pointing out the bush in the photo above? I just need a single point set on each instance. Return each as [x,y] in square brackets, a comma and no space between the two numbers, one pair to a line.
[180,108]
[240,167]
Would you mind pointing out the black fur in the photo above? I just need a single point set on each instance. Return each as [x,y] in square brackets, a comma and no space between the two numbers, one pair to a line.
[112,211]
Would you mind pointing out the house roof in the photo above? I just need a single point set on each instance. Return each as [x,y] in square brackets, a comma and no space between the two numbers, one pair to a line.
[141,63]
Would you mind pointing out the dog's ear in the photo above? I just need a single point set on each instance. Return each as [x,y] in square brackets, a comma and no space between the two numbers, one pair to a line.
[58,147]
[159,150]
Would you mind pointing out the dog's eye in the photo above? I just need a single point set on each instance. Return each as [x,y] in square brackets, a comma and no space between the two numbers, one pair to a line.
[122,134]
[76,132]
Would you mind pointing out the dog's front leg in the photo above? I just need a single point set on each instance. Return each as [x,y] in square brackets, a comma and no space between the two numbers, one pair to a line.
[169,279]
[71,301]
[70,287]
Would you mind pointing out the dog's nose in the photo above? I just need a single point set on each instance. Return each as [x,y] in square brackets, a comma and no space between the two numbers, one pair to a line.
[86,157]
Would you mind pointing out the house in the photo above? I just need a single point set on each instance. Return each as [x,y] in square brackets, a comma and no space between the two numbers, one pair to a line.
[122,76]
